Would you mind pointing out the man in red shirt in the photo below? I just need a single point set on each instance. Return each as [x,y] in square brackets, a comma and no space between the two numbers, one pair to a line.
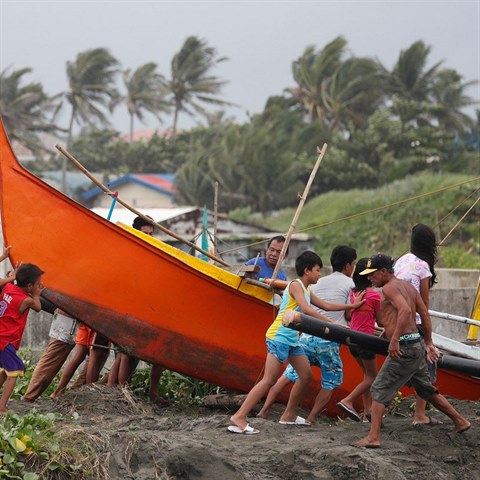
[15,303]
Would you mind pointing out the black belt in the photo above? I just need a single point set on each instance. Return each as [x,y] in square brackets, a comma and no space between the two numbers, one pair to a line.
[410,338]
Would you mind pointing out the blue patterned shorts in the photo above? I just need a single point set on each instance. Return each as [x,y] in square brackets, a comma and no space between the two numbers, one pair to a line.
[323,354]
[281,351]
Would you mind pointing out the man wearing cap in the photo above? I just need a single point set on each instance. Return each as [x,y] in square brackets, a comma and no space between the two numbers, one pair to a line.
[406,351]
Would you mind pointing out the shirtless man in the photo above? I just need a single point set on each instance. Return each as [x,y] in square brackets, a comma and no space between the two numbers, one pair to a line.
[406,351]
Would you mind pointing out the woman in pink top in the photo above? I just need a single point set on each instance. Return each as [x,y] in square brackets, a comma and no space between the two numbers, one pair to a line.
[362,319]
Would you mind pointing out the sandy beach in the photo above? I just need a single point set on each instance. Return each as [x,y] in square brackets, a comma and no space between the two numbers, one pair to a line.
[135,439]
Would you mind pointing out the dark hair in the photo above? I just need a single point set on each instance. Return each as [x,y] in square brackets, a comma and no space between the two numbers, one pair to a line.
[306,261]
[280,239]
[361,281]
[27,273]
[423,244]
[341,256]
[140,222]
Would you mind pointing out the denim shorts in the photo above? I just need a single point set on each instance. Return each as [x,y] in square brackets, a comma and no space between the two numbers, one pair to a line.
[323,354]
[281,351]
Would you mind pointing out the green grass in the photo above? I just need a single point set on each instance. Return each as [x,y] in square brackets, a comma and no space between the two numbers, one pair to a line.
[388,230]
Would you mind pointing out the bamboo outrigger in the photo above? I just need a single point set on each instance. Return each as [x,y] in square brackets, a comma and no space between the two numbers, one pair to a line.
[154,301]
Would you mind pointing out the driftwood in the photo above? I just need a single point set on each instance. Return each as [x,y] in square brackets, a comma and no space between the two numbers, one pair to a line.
[223,400]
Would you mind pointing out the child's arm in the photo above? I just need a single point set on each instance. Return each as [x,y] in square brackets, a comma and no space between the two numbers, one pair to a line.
[318,302]
[297,293]
[4,255]
[33,301]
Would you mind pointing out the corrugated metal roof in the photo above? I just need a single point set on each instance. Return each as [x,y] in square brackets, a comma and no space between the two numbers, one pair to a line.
[160,182]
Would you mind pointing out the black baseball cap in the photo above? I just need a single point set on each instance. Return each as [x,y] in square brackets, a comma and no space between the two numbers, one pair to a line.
[377,262]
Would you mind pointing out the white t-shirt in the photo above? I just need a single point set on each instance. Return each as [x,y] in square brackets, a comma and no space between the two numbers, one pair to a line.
[334,288]
[413,270]
[63,328]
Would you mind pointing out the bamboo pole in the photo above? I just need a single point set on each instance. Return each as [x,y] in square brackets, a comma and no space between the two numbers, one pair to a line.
[215,219]
[134,210]
[303,198]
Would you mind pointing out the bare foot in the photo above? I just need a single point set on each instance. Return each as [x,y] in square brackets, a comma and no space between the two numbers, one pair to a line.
[461,426]
[155,397]
[3,412]
[366,442]
[56,395]
[262,414]
[26,399]
[239,422]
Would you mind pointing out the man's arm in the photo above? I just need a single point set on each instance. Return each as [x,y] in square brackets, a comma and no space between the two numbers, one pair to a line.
[432,354]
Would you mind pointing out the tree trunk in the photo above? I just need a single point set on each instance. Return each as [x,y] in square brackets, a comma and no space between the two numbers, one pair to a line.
[64,161]
[131,127]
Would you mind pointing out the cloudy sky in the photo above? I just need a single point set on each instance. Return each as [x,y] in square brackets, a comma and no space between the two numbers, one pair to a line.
[260,38]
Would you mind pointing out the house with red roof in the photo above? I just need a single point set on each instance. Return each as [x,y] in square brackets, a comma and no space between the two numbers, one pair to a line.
[140,190]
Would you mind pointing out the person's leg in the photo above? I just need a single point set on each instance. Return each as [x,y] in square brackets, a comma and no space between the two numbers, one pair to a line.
[47,367]
[327,357]
[82,376]
[3,377]
[372,440]
[273,393]
[78,355]
[272,370]
[321,400]
[155,375]
[369,368]
[442,404]
[7,391]
[302,366]
[125,369]
[113,374]
[96,361]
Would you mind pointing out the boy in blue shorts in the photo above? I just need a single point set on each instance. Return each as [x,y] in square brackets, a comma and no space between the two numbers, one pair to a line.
[283,345]
[15,303]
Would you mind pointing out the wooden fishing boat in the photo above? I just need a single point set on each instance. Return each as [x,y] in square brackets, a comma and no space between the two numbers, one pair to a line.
[152,300]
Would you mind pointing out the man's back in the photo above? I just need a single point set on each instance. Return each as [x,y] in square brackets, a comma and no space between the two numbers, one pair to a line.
[334,288]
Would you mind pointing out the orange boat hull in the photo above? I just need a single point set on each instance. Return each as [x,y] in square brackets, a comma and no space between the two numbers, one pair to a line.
[154,301]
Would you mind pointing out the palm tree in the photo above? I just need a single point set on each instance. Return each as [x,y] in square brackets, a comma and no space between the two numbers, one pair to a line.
[145,92]
[24,108]
[410,80]
[91,82]
[449,95]
[91,77]
[352,93]
[192,83]
[311,71]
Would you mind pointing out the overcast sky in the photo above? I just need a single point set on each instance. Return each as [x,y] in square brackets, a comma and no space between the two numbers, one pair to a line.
[260,38]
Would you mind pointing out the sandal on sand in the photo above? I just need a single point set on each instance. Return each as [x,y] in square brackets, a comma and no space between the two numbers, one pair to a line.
[297,421]
[351,413]
[248,430]
[432,422]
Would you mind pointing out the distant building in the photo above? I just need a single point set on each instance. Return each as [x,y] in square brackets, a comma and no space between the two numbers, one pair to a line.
[47,140]
[145,190]
[236,241]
